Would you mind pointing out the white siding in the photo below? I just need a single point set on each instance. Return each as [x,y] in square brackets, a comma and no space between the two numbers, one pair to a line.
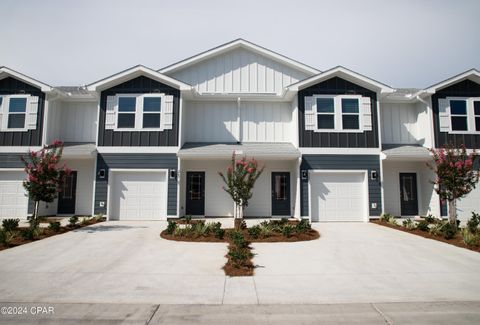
[469,204]
[239,71]
[266,122]
[428,201]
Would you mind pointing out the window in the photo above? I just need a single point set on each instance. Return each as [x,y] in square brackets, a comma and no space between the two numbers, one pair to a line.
[325,113]
[458,115]
[350,114]
[17,111]
[280,187]
[151,112]
[476,112]
[126,112]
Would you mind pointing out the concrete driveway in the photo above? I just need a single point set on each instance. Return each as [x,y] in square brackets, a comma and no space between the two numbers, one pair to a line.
[127,262]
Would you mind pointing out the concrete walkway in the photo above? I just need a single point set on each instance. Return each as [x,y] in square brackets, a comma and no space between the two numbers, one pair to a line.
[127,262]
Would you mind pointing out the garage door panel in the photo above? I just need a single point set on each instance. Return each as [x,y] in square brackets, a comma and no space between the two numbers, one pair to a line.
[469,204]
[13,201]
[338,196]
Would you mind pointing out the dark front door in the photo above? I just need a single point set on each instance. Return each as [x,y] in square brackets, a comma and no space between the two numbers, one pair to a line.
[408,194]
[66,197]
[195,203]
[280,194]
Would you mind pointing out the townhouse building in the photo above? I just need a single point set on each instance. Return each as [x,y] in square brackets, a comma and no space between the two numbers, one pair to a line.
[148,144]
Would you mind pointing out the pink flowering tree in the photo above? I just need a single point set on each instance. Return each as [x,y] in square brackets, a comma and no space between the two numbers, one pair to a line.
[44,175]
[239,181]
[455,176]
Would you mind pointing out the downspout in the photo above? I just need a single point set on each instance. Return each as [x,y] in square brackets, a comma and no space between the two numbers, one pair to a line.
[239,121]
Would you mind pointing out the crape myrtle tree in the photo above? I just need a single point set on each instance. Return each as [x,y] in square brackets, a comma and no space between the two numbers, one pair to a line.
[239,181]
[455,176]
[44,175]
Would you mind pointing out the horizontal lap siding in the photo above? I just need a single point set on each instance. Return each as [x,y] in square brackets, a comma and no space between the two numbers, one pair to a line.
[11,160]
[140,85]
[466,88]
[337,86]
[135,161]
[343,162]
[11,86]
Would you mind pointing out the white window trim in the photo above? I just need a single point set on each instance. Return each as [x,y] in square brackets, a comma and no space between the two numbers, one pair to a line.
[138,125]
[6,113]
[470,115]
[337,104]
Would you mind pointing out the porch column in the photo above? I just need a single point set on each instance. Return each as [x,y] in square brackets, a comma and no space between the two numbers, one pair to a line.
[296,212]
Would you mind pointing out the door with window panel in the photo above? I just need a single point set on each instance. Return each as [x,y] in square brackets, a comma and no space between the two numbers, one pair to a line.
[67,195]
[408,194]
[195,196]
[281,194]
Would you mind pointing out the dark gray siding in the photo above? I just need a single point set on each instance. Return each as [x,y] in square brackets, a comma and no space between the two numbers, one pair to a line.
[11,160]
[10,86]
[337,86]
[466,88]
[368,162]
[140,85]
[135,161]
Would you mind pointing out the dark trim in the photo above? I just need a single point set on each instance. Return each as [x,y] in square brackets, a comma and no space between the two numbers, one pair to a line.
[466,88]
[339,162]
[337,86]
[134,161]
[12,86]
[139,85]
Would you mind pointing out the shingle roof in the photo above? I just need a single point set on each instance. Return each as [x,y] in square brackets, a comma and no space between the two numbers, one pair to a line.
[225,150]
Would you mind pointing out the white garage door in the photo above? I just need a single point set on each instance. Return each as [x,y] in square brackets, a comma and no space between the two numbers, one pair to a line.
[13,202]
[338,196]
[139,196]
[468,204]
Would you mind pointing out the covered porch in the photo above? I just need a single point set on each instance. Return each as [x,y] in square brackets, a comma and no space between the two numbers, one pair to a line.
[275,192]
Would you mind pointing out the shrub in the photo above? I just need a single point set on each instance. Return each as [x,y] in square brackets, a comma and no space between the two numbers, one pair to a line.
[182,232]
[385,217]
[239,256]
[10,224]
[200,229]
[188,219]
[85,221]
[172,225]
[265,230]
[423,225]
[219,232]
[437,229]
[409,224]
[473,223]
[99,218]
[430,219]
[448,230]
[392,221]
[6,237]
[469,238]
[287,230]
[72,221]
[254,231]
[238,239]
[303,226]
[55,226]
[28,233]
[243,224]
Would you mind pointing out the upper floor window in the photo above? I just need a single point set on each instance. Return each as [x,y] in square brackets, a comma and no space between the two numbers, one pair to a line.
[338,113]
[141,112]
[459,115]
[18,113]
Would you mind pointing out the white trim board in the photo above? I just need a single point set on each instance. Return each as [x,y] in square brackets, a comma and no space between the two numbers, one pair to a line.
[124,149]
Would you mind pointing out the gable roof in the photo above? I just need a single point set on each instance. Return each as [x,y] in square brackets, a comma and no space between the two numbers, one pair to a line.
[236,44]
[471,74]
[346,74]
[133,72]
[7,72]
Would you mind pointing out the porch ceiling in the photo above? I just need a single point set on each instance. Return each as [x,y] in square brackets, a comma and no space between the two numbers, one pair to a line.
[74,150]
[259,150]
[405,152]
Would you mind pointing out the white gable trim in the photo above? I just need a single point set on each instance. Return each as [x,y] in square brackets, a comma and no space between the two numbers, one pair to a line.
[7,72]
[236,44]
[471,74]
[345,74]
[134,72]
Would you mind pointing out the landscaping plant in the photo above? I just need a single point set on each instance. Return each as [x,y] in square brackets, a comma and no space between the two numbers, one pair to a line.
[6,237]
[239,181]
[254,231]
[455,176]
[172,225]
[423,225]
[10,224]
[409,224]
[54,225]
[72,221]
[473,223]
[469,238]
[449,230]
[44,175]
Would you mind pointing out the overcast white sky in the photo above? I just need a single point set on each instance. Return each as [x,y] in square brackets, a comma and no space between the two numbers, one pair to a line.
[401,43]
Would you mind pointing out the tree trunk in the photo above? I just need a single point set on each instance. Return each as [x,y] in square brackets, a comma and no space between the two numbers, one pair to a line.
[238,217]
[452,212]
[34,220]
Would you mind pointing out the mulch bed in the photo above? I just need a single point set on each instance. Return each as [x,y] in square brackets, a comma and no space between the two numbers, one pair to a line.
[19,240]
[456,241]
[247,269]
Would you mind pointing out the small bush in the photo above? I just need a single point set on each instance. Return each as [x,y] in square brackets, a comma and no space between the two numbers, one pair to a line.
[239,256]
[303,226]
[423,225]
[473,223]
[188,219]
[6,237]
[287,230]
[28,233]
[172,225]
[219,232]
[54,225]
[85,221]
[238,239]
[437,229]
[182,232]
[72,221]
[430,219]
[448,231]
[409,224]
[392,221]
[265,230]
[254,231]
[10,224]
[469,238]
[385,217]
[200,229]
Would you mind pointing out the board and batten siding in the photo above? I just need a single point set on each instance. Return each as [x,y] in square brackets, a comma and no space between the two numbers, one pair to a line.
[337,86]
[12,86]
[345,162]
[134,161]
[466,88]
[139,85]
[239,71]
[266,122]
